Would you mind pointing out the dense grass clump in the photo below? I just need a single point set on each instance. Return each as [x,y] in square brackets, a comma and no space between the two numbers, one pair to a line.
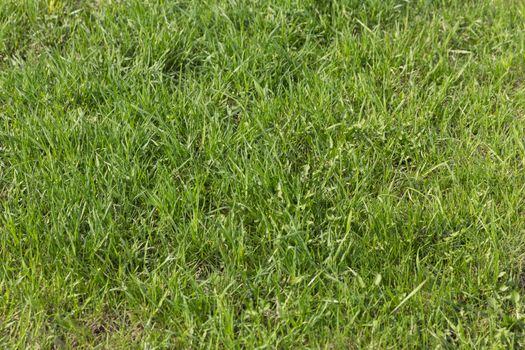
[274,174]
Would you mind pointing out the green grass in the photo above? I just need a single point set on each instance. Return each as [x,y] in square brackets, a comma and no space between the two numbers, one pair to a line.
[276,174]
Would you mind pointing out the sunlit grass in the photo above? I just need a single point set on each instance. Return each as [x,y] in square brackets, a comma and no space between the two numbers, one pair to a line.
[280,174]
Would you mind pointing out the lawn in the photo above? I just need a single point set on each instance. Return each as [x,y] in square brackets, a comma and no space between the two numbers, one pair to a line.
[323,174]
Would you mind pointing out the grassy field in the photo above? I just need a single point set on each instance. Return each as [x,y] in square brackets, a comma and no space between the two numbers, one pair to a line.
[262,174]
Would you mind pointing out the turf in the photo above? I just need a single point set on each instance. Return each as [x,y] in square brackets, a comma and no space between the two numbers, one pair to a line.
[262,174]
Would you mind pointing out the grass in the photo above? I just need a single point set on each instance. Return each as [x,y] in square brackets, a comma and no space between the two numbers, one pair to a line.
[262,174]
